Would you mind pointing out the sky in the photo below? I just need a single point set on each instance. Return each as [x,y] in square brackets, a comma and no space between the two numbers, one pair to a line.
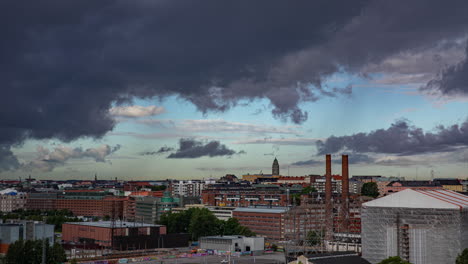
[168,89]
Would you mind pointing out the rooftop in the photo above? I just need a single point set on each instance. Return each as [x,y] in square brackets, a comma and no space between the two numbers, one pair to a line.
[275,210]
[433,199]
[108,224]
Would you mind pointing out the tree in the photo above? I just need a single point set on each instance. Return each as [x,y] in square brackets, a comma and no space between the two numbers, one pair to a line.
[313,238]
[30,252]
[394,260]
[201,222]
[370,189]
[463,257]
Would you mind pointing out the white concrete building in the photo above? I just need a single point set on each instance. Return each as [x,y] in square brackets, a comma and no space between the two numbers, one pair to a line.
[11,200]
[187,187]
[233,243]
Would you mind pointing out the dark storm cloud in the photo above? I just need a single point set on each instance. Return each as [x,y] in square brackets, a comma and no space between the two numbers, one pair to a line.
[8,160]
[401,139]
[64,63]
[355,158]
[161,150]
[190,149]
[453,80]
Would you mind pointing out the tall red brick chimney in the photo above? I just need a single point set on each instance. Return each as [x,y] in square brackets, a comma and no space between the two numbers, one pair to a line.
[345,190]
[328,198]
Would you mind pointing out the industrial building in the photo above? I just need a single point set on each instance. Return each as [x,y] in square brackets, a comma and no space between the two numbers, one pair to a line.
[265,222]
[25,230]
[121,235]
[421,226]
[233,243]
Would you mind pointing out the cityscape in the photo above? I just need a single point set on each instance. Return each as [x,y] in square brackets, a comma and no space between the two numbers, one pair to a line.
[197,132]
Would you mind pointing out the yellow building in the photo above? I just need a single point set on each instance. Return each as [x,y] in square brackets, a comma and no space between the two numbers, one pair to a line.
[450,184]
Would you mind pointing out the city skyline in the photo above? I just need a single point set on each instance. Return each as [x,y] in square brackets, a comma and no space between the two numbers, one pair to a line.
[166,89]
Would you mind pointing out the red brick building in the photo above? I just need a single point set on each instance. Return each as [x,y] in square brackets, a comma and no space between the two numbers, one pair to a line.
[265,222]
[244,195]
[128,235]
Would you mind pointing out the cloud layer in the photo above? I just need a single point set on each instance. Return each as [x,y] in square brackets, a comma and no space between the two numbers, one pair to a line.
[64,64]
[401,139]
[47,160]
[191,148]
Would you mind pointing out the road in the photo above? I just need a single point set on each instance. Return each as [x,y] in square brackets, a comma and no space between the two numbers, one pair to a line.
[277,258]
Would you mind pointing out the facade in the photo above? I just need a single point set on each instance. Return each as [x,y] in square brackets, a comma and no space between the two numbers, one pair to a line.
[42,201]
[421,226]
[149,209]
[244,195]
[118,235]
[265,222]
[187,188]
[233,243]
[319,183]
[382,183]
[221,212]
[11,200]
[397,186]
[450,184]
[25,230]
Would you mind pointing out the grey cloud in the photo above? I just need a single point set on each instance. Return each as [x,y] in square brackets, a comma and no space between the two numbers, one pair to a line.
[63,68]
[401,139]
[191,148]
[47,160]
[161,150]
[353,158]
[453,80]
[8,161]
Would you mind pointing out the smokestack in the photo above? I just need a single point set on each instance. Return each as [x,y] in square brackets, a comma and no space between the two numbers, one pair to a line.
[345,190]
[328,197]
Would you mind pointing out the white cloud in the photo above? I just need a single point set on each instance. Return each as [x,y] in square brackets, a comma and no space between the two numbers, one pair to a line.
[46,160]
[136,111]
[280,141]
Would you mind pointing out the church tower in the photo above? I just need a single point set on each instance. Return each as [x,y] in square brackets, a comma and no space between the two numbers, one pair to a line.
[275,170]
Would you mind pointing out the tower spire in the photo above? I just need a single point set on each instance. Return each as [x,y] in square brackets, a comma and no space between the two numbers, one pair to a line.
[275,167]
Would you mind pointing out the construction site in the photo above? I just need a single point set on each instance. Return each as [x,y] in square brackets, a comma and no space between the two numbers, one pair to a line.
[422,227]
[325,222]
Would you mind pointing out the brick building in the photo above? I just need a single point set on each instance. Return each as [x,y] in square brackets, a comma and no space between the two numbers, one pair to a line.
[397,186]
[41,201]
[109,234]
[265,222]
[244,195]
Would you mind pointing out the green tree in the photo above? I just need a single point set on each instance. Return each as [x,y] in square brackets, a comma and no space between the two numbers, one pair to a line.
[394,260]
[308,190]
[370,189]
[463,257]
[30,252]
[313,238]
[202,222]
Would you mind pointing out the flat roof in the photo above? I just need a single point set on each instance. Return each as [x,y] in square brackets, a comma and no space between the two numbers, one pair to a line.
[117,224]
[262,210]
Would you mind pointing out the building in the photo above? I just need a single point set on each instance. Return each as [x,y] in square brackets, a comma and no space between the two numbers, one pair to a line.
[265,222]
[396,186]
[25,230]
[382,183]
[319,183]
[465,186]
[244,195]
[366,178]
[41,201]
[256,245]
[421,226]
[187,187]
[11,200]
[121,235]
[91,203]
[221,212]
[149,209]
[450,184]
[275,168]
